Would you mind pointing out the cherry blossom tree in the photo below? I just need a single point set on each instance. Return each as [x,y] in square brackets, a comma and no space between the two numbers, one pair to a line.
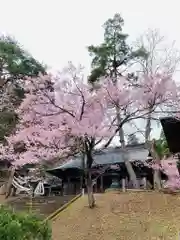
[60,117]
[125,104]
[154,76]
[154,95]
[169,167]
[160,95]
[155,72]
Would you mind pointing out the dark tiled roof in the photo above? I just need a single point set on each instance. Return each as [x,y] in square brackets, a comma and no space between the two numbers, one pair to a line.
[109,156]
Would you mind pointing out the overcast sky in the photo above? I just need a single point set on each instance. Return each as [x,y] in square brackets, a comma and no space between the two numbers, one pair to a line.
[58,31]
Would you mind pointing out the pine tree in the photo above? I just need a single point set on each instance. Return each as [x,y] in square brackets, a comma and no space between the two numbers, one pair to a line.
[15,65]
[114,54]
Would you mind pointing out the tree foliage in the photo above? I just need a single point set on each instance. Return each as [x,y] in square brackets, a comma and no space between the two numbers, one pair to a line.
[60,116]
[15,65]
[162,58]
[22,226]
[162,146]
[111,59]
[114,52]
[15,62]
[8,121]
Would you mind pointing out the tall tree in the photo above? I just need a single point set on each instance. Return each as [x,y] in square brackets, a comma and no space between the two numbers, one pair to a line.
[15,65]
[162,58]
[51,127]
[111,58]
[114,54]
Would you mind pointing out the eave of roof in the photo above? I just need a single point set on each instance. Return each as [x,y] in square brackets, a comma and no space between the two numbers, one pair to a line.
[108,156]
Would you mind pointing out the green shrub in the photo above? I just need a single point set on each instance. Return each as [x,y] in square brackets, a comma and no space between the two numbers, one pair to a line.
[21,226]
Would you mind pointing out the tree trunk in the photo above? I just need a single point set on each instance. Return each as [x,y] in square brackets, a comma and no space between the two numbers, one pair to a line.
[83,183]
[128,164]
[132,174]
[156,173]
[9,184]
[88,147]
[91,199]
[157,179]
[148,130]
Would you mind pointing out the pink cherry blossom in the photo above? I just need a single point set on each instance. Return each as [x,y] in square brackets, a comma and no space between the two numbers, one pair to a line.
[55,123]
[158,89]
[169,167]
[60,115]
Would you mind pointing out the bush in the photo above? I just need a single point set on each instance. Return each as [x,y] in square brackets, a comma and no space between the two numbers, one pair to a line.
[21,226]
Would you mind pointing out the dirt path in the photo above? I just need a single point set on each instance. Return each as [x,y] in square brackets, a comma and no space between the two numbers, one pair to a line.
[126,216]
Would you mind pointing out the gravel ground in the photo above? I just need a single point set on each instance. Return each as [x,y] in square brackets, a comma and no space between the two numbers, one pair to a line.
[126,216]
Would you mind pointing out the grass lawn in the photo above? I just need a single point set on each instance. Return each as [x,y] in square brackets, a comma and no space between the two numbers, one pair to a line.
[130,215]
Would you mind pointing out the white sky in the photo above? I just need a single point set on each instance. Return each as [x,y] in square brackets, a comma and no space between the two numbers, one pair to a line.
[58,31]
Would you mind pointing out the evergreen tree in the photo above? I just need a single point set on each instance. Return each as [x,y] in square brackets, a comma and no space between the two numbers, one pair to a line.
[162,146]
[109,59]
[114,53]
[15,65]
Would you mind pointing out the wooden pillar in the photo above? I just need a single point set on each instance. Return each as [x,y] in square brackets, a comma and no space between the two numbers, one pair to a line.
[101,183]
[81,182]
[81,186]
[84,184]
[68,186]
[62,187]
[144,182]
[123,184]
[95,187]
[126,183]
